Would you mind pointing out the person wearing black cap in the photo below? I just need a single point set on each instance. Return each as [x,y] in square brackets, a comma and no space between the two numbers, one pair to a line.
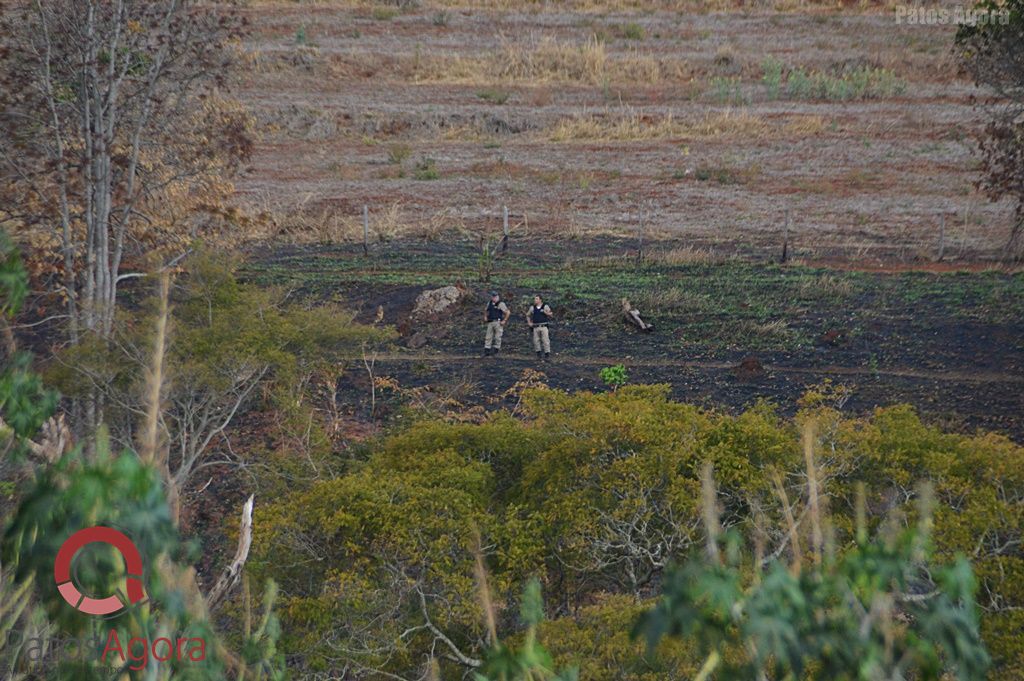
[538,318]
[495,316]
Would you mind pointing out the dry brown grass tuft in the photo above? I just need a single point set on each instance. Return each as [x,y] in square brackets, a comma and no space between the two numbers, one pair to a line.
[672,300]
[304,224]
[777,329]
[826,285]
[548,61]
[687,255]
[698,6]
[634,125]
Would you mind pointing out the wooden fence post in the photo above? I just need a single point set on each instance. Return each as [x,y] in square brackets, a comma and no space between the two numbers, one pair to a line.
[504,228]
[640,237]
[785,238]
[366,230]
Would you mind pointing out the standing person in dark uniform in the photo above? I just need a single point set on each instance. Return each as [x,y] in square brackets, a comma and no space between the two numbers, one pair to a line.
[496,314]
[538,318]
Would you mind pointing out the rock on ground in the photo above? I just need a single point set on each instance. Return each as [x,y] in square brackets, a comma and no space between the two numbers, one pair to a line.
[436,301]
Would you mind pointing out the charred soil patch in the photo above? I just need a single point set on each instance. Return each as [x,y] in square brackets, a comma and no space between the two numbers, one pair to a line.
[950,343]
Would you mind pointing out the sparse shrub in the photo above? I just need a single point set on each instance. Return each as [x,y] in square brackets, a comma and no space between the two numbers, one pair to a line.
[726,174]
[772,77]
[728,90]
[382,13]
[485,261]
[388,224]
[440,222]
[725,56]
[864,82]
[440,18]
[633,31]
[426,169]
[398,152]
[493,95]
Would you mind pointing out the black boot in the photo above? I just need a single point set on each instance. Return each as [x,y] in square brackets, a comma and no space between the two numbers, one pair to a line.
[495,351]
[487,352]
[540,355]
[547,356]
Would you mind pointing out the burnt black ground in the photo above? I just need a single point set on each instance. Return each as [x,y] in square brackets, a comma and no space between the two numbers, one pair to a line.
[949,343]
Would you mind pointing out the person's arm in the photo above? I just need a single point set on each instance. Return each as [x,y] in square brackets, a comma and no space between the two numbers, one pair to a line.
[547,311]
[529,318]
[508,313]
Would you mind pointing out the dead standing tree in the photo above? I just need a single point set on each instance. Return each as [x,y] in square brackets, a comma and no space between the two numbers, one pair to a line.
[113,136]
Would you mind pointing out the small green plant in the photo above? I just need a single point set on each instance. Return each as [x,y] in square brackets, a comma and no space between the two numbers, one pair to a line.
[772,69]
[494,96]
[728,90]
[485,261]
[861,83]
[426,169]
[615,376]
[440,19]
[300,36]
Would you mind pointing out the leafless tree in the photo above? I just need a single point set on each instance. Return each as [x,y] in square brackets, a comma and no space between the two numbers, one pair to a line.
[113,134]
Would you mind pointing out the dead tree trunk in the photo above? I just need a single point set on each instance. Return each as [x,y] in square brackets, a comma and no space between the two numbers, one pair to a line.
[632,316]
[233,572]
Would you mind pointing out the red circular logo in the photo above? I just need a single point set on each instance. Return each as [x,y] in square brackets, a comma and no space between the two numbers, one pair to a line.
[133,568]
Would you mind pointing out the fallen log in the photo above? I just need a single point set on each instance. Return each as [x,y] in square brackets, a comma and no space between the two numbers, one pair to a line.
[632,316]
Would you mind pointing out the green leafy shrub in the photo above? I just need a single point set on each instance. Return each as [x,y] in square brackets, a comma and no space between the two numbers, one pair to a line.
[24,402]
[614,376]
[883,610]
[598,494]
[728,90]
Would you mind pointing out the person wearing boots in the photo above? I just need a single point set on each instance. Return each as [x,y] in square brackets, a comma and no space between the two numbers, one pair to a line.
[538,318]
[495,316]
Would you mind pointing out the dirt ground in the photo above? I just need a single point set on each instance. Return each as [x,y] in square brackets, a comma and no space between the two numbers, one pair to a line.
[446,114]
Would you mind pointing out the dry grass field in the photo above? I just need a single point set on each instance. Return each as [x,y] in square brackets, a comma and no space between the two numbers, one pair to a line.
[712,120]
